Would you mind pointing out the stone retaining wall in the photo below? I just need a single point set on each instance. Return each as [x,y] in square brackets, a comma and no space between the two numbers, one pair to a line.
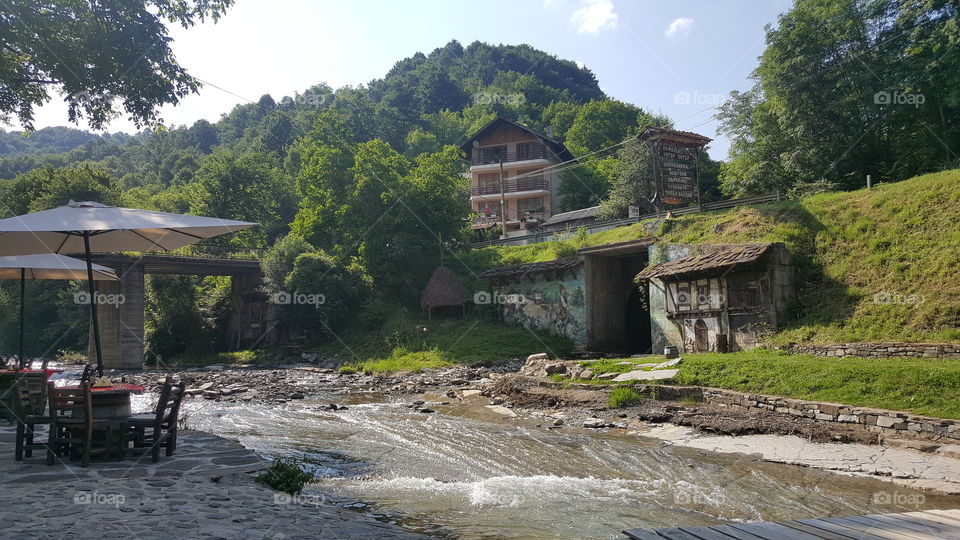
[888,423]
[881,350]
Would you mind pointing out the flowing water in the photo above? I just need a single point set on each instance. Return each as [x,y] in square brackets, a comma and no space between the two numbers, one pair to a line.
[466,473]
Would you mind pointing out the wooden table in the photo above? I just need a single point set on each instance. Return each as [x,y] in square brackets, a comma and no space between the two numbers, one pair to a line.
[111,401]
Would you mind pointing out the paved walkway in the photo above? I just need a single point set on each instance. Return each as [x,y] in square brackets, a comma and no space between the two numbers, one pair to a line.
[205,490]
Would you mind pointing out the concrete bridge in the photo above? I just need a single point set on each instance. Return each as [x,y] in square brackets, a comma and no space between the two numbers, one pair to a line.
[121,326]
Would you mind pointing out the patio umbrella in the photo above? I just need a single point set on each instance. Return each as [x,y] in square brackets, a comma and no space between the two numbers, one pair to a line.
[88,227]
[47,266]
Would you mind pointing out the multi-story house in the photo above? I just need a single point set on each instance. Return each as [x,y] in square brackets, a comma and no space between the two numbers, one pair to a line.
[507,162]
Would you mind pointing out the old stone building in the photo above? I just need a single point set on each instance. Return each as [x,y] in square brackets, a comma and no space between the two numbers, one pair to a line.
[717,297]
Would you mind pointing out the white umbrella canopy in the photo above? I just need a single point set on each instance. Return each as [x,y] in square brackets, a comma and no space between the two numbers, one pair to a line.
[51,266]
[47,266]
[109,229]
[91,227]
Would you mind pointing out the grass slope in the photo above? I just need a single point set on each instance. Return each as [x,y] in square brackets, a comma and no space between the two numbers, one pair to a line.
[398,346]
[900,239]
[923,386]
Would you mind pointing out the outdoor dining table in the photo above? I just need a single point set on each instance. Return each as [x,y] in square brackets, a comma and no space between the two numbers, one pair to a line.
[111,401]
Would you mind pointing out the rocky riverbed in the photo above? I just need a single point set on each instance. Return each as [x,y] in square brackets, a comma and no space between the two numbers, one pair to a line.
[518,388]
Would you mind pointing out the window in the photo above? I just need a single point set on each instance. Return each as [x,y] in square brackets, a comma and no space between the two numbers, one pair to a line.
[703,296]
[683,296]
[745,294]
[530,151]
[491,154]
[534,204]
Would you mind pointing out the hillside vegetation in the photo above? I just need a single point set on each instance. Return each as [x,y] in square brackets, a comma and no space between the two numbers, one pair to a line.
[877,265]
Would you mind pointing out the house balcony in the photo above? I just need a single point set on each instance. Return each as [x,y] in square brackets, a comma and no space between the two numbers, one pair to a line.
[491,160]
[510,186]
[528,219]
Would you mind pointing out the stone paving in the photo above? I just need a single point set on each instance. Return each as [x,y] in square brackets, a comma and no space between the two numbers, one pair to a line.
[205,491]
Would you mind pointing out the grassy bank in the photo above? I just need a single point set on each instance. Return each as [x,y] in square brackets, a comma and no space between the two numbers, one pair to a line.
[923,386]
[412,344]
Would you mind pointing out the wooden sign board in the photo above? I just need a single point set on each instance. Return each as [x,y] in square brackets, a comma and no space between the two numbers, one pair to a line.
[675,156]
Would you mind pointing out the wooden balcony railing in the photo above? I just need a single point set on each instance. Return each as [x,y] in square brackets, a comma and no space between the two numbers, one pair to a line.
[488,156]
[512,186]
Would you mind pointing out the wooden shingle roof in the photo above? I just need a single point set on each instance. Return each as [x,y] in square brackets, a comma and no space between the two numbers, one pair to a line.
[722,259]
[532,268]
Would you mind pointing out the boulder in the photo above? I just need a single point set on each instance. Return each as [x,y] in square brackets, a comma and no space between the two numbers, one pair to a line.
[539,357]
[585,374]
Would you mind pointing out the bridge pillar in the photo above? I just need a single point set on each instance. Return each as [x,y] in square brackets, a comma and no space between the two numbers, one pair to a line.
[121,318]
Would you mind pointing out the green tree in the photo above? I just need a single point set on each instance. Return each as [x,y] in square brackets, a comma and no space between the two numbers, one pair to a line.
[845,89]
[249,187]
[96,54]
[49,187]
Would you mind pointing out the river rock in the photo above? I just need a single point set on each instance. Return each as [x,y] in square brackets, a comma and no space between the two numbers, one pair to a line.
[607,376]
[538,357]
[594,423]
[585,374]
[639,375]
[206,386]
[296,395]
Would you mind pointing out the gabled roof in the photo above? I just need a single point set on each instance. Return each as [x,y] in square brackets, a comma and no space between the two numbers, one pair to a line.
[554,145]
[573,215]
[532,268]
[722,259]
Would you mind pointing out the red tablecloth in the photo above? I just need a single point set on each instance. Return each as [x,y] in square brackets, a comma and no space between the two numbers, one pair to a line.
[124,387]
[11,371]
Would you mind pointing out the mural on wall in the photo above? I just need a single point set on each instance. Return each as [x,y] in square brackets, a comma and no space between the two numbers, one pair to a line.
[557,306]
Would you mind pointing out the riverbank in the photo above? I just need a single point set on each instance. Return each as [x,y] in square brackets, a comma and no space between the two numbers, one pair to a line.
[767,435]
[207,490]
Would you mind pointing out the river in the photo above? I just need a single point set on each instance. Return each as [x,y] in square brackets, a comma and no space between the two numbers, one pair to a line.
[466,472]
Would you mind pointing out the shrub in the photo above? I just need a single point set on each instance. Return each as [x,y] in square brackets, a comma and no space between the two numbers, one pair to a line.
[285,475]
[347,370]
[623,397]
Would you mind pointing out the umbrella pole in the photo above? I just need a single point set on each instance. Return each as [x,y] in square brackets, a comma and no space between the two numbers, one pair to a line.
[93,303]
[23,280]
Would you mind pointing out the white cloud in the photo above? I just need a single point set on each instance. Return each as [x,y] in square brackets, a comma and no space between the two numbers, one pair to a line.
[680,28]
[593,16]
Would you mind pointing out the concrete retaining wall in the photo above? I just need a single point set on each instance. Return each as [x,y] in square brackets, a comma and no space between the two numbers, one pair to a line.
[881,350]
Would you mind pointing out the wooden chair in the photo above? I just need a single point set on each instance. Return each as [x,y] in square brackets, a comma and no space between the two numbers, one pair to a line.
[161,423]
[72,425]
[28,417]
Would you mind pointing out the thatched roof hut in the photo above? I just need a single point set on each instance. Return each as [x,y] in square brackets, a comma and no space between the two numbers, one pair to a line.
[443,290]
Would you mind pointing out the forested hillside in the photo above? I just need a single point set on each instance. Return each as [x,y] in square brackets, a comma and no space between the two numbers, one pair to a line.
[365,177]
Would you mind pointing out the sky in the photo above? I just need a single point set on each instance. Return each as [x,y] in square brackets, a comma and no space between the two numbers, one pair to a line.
[678,57]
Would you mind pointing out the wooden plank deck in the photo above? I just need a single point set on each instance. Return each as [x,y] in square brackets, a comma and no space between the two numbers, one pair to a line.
[922,525]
